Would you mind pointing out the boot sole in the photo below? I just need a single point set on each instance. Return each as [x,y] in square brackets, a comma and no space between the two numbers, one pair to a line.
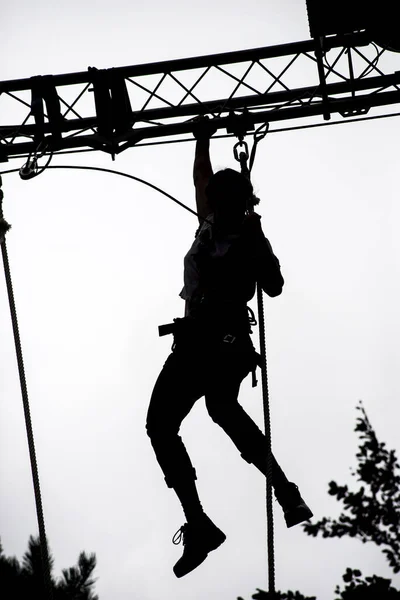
[298,515]
[218,541]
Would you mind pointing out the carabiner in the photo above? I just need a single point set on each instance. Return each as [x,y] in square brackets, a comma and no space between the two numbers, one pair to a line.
[245,151]
[29,169]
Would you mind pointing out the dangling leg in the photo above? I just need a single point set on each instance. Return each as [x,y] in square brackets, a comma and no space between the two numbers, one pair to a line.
[172,399]
[175,392]
[225,410]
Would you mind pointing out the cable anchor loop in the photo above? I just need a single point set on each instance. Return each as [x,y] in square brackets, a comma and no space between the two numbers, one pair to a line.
[31,168]
[241,154]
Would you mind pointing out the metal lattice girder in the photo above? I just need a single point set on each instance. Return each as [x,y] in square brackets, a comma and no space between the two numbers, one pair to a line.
[113,109]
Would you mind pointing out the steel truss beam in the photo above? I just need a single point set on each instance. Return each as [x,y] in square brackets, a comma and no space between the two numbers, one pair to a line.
[113,109]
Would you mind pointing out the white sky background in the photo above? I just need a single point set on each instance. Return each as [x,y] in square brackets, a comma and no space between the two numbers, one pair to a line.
[97,266]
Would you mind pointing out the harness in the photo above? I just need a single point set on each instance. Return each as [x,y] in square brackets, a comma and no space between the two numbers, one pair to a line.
[197,334]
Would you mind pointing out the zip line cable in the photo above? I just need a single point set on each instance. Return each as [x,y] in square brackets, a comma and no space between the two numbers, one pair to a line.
[114,172]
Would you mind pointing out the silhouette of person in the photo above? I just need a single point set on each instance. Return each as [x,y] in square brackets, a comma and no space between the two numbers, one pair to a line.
[212,351]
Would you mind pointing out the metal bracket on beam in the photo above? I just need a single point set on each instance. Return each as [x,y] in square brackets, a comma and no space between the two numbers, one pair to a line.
[102,101]
[44,92]
[113,108]
[240,124]
[319,53]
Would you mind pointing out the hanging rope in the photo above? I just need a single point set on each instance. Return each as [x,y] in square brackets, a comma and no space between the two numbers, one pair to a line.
[241,154]
[4,226]
[268,440]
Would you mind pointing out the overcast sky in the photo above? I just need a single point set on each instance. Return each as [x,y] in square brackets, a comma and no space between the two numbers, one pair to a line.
[97,266]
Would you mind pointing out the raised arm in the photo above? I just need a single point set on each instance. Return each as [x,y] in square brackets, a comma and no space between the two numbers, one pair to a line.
[202,171]
[203,129]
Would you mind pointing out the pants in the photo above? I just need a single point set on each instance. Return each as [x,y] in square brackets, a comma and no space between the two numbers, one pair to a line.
[189,373]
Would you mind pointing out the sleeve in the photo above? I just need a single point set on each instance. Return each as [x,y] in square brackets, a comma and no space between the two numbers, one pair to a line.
[202,172]
[268,270]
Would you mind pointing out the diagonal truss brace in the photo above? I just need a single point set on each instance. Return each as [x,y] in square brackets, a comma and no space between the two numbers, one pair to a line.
[113,109]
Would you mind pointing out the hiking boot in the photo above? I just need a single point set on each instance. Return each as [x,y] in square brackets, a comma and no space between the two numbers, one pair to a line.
[295,510]
[199,538]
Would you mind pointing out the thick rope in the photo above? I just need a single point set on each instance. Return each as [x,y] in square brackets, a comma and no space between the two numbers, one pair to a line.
[243,157]
[267,429]
[28,421]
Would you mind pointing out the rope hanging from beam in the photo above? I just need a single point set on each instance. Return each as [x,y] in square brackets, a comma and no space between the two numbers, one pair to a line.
[242,157]
[25,400]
